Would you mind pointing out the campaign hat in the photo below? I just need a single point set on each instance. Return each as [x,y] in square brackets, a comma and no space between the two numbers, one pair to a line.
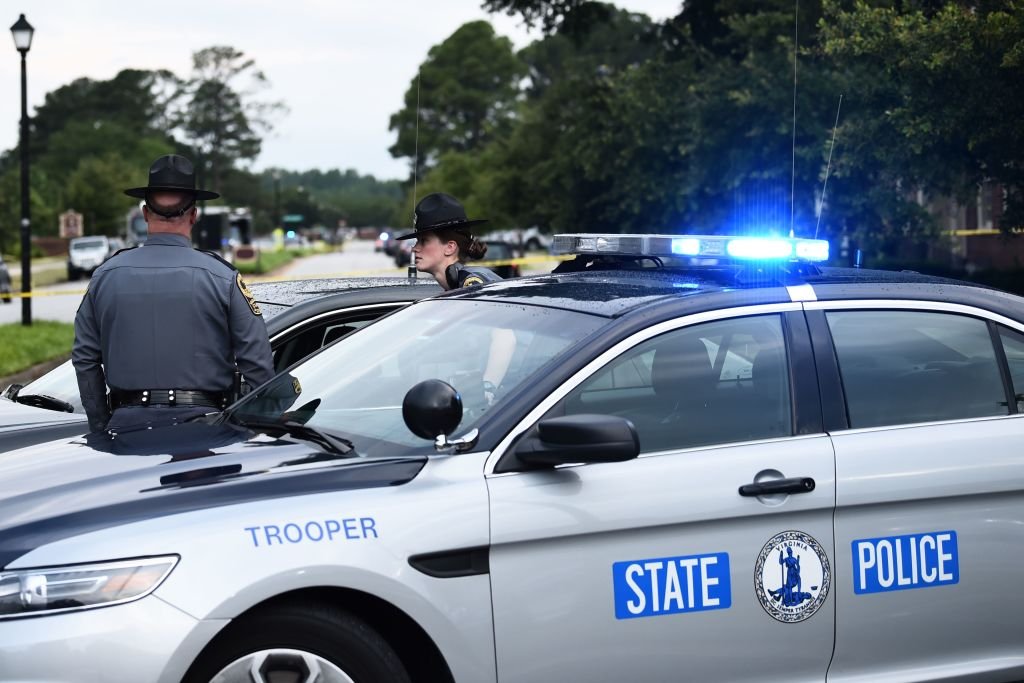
[171,173]
[440,211]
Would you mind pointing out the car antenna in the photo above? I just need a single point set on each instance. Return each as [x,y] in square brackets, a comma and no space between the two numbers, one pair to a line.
[411,270]
[828,167]
[792,177]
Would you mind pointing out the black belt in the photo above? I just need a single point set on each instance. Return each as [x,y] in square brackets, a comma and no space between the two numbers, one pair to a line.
[168,397]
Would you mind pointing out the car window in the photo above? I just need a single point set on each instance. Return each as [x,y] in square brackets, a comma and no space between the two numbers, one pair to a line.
[60,383]
[903,367]
[717,382]
[357,387]
[312,337]
[1013,345]
[88,244]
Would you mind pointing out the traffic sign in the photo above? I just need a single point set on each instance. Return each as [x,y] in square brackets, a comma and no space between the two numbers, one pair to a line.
[70,224]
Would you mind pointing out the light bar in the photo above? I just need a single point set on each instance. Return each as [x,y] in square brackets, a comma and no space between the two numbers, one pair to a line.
[701,246]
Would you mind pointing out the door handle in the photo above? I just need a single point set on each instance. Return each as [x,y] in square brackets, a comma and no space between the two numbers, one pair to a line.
[796,485]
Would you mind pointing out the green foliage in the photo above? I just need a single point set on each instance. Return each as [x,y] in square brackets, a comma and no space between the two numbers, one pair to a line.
[98,184]
[267,262]
[937,87]
[218,114]
[22,347]
[466,92]
[634,126]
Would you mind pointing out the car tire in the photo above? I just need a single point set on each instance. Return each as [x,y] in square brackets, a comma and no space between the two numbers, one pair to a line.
[72,274]
[533,244]
[297,638]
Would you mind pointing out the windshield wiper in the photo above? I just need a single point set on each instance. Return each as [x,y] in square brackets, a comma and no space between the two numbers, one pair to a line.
[44,401]
[332,442]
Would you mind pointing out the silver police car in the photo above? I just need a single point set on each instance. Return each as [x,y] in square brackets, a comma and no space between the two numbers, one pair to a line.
[675,458]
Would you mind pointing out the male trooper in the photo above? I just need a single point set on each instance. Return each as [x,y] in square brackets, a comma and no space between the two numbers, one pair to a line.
[164,325]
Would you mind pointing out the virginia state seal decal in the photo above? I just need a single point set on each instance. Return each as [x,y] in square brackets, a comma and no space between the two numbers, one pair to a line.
[792,576]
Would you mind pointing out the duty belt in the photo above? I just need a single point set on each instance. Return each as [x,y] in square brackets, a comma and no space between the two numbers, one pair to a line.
[168,397]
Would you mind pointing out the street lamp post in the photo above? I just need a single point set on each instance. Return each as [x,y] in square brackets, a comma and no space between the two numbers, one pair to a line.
[22,32]
[277,199]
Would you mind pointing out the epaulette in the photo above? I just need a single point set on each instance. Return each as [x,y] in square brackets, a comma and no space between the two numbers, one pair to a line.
[122,249]
[220,258]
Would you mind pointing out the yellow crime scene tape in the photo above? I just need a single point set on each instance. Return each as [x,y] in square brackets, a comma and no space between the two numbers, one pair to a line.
[527,260]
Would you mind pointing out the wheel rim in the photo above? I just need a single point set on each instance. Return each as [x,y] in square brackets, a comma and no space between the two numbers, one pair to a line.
[281,666]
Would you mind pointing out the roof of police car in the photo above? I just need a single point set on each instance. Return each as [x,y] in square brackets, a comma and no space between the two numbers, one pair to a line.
[276,297]
[613,292]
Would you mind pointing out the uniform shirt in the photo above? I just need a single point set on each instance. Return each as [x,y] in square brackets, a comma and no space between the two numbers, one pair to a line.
[166,316]
[459,275]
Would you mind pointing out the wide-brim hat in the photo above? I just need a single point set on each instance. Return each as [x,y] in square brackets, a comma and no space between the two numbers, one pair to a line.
[171,173]
[439,211]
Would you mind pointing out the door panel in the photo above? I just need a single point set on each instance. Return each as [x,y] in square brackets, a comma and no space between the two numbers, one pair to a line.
[563,540]
[947,600]
[929,517]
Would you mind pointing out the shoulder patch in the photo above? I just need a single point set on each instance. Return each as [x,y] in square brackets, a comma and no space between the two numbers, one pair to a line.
[247,294]
[472,280]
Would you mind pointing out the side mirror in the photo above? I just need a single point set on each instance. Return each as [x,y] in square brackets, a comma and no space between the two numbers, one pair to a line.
[11,392]
[431,409]
[579,439]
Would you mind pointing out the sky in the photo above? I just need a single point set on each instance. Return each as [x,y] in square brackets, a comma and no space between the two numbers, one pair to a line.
[341,66]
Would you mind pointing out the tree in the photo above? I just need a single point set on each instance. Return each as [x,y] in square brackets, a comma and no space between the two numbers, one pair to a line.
[220,116]
[136,101]
[936,87]
[466,90]
[96,189]
[551,15]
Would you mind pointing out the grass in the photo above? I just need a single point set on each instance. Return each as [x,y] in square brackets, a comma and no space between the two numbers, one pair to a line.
[272,260]
[22,347]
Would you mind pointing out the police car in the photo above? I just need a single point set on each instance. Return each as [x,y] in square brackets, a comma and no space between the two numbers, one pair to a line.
[301,316]
[705,458]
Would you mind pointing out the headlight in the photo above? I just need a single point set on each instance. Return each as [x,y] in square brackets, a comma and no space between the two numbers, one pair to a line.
[30,592]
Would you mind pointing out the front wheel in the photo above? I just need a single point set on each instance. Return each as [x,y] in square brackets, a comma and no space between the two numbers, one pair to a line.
[298,642]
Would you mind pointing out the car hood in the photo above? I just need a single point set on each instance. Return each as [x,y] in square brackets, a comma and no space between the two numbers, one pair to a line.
[15,416]
[70,487]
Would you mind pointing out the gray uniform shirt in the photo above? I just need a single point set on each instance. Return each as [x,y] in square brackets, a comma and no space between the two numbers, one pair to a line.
[166,316]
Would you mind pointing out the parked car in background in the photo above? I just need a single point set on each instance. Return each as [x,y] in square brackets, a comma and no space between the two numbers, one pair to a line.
[6,287]
[302,317]
[403,252]
[86,254]
[523,239]
[385,242]
[502,252]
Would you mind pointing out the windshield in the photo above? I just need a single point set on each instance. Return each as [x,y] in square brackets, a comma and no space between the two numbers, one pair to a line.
[355,388]
[60,383]
[88,244]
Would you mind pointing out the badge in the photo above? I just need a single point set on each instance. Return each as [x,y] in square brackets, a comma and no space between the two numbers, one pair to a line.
[472,280]
[792,576]
[248,295]
[296,387]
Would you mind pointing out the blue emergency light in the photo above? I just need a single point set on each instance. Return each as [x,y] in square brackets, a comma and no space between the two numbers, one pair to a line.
[698,246]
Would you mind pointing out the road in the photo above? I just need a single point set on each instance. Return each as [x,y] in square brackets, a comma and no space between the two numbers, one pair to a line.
[60,302]
[357,258]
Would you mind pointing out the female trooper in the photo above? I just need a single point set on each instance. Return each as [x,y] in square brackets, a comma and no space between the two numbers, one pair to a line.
[443,241]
